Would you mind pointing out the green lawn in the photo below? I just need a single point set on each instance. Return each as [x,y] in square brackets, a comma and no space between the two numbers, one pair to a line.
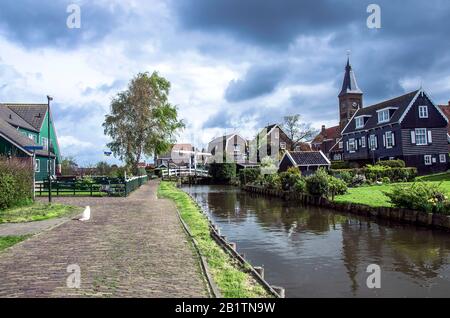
[374,196]
[230,278]
[7,241]
[37,212]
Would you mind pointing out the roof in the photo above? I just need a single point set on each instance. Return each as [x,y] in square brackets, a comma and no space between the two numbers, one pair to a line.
[13,136]
[400,102]
[34,114]
[176,147]
[446,110]
[349,85]
[12,118]
[308,158]
[330,133]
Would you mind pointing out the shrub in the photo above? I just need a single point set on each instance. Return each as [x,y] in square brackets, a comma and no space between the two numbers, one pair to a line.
[385,180]
[338,165]
[16,182]
[358,180]
[300,185]
[289,178]
[250,175]
[336,187]
[392,163]
[423,196]
[272,181]
[222,172]
[345,176]
[268,166]
[317,184]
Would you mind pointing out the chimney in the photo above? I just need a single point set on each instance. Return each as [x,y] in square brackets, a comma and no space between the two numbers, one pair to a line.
[449,103]
[323,129]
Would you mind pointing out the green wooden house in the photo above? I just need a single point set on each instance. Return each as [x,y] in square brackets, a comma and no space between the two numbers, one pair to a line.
[26,125]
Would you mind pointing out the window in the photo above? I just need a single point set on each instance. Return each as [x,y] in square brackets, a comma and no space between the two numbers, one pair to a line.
[423,111]
[359,122]
[351,145]
[363,142]
[341,145]
[442,158]
[237,148]
[44,142]
[389,139]
[427,160]
[283,145]
[383,116]
[421,136]
[373,142]
[31,136]
[37,165]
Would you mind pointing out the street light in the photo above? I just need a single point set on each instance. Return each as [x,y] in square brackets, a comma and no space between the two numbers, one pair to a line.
[49,168]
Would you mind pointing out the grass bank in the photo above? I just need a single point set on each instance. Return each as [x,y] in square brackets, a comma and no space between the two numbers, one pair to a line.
[8,241]
[374,195]
[37,212]
[226,272]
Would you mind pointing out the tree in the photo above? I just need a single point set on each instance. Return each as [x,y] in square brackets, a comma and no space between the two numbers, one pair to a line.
[103,168]
[298,131]
[68,166]
[142,121]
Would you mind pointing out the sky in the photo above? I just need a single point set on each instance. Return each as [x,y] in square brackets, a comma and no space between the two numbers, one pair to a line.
[234,65]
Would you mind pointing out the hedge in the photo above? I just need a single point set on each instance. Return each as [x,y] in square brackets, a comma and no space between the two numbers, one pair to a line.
[249,175]
[16,182]
[379,172]
[222,172]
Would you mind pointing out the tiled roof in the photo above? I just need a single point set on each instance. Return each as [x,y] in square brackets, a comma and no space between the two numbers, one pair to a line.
[330,133]
[446,110]
[12,118]
[401,103]
[34,114]
[308,158]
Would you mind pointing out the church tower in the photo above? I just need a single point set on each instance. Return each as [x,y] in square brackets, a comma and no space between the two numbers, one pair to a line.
[350,97]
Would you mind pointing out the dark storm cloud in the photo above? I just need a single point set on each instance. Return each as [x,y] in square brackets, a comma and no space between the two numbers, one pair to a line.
[43,23]
[259,80]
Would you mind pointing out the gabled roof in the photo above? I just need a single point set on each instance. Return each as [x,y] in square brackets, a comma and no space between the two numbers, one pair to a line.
[349,85]
[176,147]
[401,103]
[12,118]
[330,133]
[34,114]
[446,110]
[307,158]
[13,136]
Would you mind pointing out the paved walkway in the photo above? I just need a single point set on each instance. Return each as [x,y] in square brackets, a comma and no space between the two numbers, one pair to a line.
[132,247]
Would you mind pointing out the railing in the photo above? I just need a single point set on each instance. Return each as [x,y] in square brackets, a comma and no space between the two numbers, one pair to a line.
[184,172]
[101,186]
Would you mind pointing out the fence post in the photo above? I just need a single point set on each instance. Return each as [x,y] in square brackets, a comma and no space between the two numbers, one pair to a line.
[57,188]
[125,183]
[91,189]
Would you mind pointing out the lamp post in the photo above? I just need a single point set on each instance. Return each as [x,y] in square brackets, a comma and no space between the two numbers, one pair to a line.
[49,168]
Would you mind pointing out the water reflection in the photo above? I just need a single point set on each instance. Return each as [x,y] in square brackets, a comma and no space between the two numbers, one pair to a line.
[320,253]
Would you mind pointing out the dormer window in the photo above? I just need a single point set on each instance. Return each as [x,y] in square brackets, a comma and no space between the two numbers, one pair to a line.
[383,116]
[359,122]
[423,111]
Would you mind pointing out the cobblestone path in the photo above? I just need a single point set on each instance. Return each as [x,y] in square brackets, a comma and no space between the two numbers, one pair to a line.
[132,247]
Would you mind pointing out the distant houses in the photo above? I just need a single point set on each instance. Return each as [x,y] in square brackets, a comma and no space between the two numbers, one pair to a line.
[177,156]
[23,127]
[446,111]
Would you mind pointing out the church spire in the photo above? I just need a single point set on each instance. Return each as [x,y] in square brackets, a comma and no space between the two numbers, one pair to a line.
[349,85]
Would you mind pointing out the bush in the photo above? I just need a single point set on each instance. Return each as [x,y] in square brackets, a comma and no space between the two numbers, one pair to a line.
[336,187]
[317,184]
[377,173]
[423,196]
[386,180]
[250,175]
[339,165]
[300,185]
[289,178]
[358,180]
[345,176]
[222,172]
[16,182]
[272,181]
[392,163]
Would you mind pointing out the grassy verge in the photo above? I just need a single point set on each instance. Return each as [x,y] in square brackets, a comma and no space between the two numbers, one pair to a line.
[374,195]
[229,277]
[8,241]
[37,212]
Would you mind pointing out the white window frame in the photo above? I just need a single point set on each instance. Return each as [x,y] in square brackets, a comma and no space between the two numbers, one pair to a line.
[341,144]
[373,142]
[352,145]
[45,143]
[382,118]
[428,160]
[282,145]
[443,158]
[37,165]
[389,140]
[424,134]
[359,122]
[423,111]
[363,142]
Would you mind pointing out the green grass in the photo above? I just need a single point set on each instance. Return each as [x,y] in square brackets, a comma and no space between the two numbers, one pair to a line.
[374,195]
[232,281]
[8,241]
[37,212]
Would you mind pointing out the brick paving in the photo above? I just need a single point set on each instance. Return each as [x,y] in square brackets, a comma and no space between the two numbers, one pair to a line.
[132,247]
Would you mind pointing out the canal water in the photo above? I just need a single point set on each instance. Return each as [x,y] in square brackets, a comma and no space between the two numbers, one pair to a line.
[316,252]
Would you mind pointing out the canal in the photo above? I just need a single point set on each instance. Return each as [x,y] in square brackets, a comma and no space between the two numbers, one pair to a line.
[316,252]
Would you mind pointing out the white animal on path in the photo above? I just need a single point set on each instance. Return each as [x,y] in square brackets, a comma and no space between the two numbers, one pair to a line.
[86,215]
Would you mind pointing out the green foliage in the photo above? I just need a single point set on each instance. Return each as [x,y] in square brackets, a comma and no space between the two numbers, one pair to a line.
[345,176]
[392,163]
[317,184]
[247,176]
[373,173]
[272,181]
[8,241]
[268,166]
[16,183]
[289,178]
[300,185]
[37,212]
[68,166]
[422,196]
[222,172]
[338,165]
[142,121]
[336,187]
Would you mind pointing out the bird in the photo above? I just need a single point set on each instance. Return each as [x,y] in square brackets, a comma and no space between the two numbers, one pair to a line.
[86,215]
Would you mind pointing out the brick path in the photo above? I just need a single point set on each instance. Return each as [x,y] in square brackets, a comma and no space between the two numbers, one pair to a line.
[132,247]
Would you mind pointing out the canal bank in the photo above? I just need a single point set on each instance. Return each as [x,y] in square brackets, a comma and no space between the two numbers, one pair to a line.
[439,221]
[317,252]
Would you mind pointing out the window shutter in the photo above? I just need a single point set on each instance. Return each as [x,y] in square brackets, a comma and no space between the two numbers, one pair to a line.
[393,139]
[347,145]
[384,140]
[413,137]
[430,137]
[376,142]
